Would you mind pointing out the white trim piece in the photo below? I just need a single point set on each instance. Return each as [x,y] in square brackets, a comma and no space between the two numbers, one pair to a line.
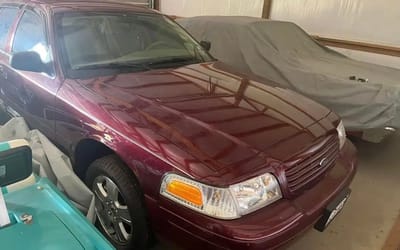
[18,143]
[4,218]
[31,180]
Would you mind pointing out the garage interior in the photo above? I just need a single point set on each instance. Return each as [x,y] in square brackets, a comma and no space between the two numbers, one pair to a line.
[361,30]
[371,219]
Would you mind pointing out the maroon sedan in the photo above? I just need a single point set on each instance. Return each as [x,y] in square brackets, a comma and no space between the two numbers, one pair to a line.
[171,142]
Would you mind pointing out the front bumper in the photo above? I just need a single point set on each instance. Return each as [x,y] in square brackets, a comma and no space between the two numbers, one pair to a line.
[267,228]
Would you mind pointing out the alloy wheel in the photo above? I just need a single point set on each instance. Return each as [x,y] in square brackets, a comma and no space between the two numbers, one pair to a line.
[112,211]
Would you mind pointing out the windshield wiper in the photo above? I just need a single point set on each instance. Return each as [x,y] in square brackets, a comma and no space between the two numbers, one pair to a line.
[167,61]
[114,65]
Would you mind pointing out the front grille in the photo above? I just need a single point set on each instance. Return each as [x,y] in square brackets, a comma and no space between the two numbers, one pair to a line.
[305,168]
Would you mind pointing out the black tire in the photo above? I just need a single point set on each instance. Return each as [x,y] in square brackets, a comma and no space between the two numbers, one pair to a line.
[113,210]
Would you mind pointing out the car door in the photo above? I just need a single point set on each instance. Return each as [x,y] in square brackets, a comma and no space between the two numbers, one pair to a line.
[35,92]
[8,15]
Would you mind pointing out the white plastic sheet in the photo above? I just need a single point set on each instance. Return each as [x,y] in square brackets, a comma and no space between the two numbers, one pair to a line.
[4,218]
[364,20]
[50,162]
[359,20]
[187,8]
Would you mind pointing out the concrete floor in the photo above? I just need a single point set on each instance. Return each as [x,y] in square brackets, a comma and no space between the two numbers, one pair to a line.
[369,215]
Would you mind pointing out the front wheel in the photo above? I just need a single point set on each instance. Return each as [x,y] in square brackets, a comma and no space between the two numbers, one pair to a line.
[120,213]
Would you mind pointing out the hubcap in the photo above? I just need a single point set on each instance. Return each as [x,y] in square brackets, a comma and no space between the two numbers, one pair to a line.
[112,211]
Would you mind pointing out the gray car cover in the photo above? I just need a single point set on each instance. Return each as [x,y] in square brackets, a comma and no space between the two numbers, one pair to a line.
[284,53]
[50,162]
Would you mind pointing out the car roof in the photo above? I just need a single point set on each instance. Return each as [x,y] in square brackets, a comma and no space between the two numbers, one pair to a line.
[87,4]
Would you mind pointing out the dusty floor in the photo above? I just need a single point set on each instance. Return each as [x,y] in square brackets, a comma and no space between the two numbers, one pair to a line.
[374,206]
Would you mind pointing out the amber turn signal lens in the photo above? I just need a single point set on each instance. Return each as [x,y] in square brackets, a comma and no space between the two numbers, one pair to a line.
[185,192]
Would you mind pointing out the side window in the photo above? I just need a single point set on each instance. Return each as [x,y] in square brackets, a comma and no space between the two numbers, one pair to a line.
[30,36]
[7,17]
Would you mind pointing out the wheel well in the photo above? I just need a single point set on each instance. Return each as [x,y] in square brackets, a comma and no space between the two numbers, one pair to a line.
[86,152]
[89,150]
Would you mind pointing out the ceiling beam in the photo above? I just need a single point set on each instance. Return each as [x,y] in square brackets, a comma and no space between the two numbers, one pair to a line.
[157,4]
[267,9]
[361,46]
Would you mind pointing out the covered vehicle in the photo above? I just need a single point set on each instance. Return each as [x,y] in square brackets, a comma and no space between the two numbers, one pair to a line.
[365,95]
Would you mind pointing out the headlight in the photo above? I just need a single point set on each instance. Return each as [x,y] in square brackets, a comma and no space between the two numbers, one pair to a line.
[222,203]
[342,134]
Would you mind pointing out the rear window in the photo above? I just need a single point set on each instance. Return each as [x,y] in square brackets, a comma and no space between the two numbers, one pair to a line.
[7,17]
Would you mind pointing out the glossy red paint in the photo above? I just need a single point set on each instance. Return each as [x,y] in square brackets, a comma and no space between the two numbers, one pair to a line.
[268,228]
[201,123]
[204,121]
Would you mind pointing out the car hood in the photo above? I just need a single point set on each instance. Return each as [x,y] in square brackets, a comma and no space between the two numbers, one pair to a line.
[226,121]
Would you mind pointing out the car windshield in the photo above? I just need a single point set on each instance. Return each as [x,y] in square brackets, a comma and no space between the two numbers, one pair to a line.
[121,41]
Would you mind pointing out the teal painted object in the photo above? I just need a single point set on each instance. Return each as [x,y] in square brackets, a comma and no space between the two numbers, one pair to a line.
[4,146]
[56,224]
